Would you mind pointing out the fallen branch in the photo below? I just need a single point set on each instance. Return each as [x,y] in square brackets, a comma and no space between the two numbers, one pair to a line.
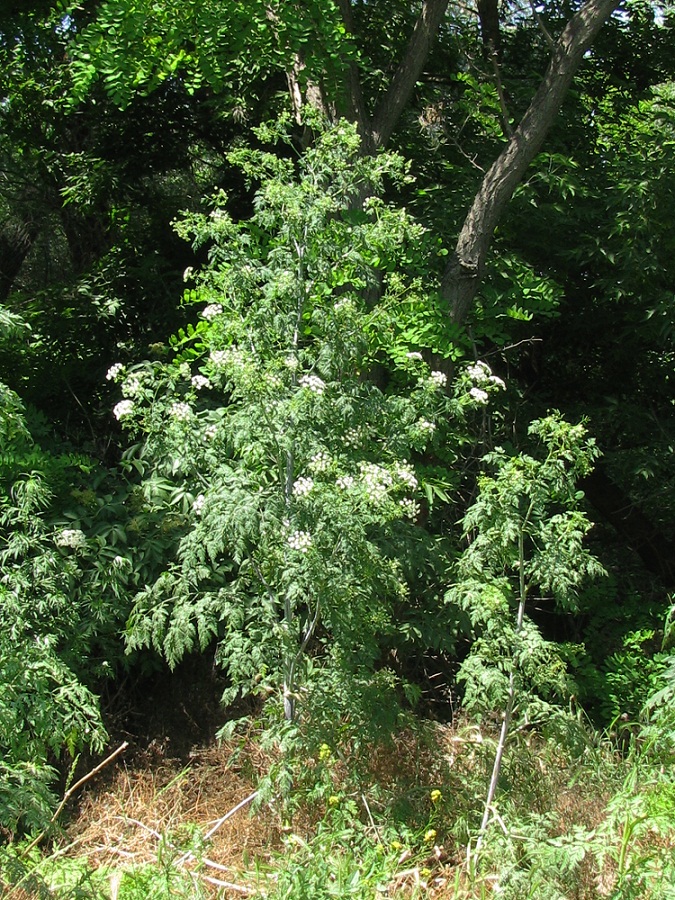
[209,834]
[228,884]
[71,790]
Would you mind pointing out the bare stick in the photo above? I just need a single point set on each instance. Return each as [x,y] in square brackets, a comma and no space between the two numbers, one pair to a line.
[228,884]
[190,855]
[71,790]
[370,817]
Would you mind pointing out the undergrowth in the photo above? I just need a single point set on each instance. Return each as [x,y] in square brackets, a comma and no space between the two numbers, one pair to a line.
[573,819]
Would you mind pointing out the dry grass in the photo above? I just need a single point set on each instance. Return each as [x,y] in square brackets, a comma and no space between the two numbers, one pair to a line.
[154,802]
[159,802]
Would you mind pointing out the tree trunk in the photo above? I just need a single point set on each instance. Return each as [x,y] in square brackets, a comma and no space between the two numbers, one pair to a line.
[466,266]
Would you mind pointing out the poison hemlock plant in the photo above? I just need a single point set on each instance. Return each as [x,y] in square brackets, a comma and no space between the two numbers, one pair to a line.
[293,468]
[525,534]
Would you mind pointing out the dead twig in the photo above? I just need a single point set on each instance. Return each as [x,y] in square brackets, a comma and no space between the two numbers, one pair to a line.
[71,790]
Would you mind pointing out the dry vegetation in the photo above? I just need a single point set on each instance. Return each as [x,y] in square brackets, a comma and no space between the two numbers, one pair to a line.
[153,804]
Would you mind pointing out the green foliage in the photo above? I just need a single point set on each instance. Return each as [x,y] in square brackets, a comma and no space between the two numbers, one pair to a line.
[526,535]
[292,466]
[135,45]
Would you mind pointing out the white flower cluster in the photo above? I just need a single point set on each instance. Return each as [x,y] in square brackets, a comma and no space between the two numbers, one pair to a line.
[314,383]
[180,411]
[231,356]
[274,381]
[411,509]
[200,381]
[300,540]
[211,311]
[406,474]
[114,371]
[122,409]
[292,363]
[479,395]
[425,426]
[121,562]
[345,482]
[320,462]
[482,373]
[438,379]
[70,537]
[353,437]
[414,355]
[198,505]
[376,481]
[132,386]
[210,432]
[303,486]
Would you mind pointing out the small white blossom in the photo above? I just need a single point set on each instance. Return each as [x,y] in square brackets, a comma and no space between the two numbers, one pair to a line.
[303,486]
[414,355]
[425,426]
[180,411]
[274,381]
[198,504]
[122,409]
[187,274]
[438,379]
[300,540]
[353,437]
[211,311]
[479,372]
[70,537]
[218,357]
[291,362]
[314,383]
[199,382]
[345,482]
[479,395]
[114,371]
[320,462]
[132,386]
[406,474]
[376,481]
[494,379]
[210,432]
[411,509]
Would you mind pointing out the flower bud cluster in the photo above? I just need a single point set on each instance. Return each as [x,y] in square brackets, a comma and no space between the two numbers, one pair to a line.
[303,486]
[211,311]
[122,409]
[376,481]
[314,383]
[70,537]
[180,411]
[200,381]
[114,372]
[320,462]
[300,541]
[410,507]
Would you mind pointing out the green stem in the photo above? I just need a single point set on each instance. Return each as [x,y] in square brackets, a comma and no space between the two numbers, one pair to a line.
[511,695]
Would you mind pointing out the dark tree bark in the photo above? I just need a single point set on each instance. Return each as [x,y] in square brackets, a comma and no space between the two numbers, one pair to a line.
[16,241]
[488,15]
[467,263]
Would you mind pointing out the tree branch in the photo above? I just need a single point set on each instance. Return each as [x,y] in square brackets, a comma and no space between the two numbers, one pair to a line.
[465,268]
[392,104]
